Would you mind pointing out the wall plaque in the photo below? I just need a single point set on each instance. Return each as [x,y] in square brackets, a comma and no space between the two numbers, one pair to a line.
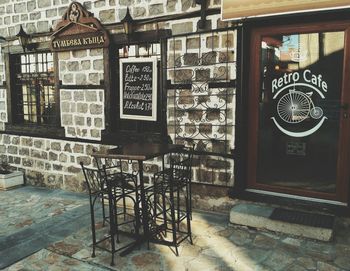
[138,88]
[78,30]
[238,9]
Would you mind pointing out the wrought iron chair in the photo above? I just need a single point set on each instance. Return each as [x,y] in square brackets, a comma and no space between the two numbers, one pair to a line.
[172,198]
[120,186]
[116,192]
[97,191]
[101,185]
[113,169]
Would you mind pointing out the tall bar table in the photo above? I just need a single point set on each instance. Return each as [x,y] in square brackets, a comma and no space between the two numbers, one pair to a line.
[139,152]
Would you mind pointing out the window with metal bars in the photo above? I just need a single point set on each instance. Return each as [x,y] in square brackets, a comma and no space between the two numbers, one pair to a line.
[33,84]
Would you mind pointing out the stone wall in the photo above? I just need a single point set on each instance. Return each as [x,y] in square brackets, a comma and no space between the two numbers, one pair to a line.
[38,16]
[82,111]
[55,163]
[47,162]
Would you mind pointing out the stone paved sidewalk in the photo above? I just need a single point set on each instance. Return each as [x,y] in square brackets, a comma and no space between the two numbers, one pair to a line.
[217,246]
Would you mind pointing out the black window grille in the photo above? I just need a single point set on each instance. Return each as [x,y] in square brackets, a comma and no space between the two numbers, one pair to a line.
[201,101]
[33,98]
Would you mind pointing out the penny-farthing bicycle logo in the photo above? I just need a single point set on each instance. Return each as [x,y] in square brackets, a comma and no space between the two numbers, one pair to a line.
[295,106]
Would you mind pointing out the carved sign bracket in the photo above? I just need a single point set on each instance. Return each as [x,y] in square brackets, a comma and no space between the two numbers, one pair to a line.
[78,29]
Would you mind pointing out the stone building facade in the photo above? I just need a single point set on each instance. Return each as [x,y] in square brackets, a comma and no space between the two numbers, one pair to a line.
[203,113]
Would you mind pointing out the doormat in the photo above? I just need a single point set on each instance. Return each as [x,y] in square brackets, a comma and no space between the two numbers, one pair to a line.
[302,218]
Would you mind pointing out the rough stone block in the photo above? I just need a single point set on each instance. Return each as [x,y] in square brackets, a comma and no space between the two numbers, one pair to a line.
[209,58]
[156,9]
[186,97]
[85,159]
[26,141]
[99,3]
[171,5]
[12,149]
[203,75]
[85,65]
[79,95]
[91,96]
[195,115]
[35,15]
[96,109]
[181,28]
[212,42]
[20,7]
[24,17]
[82,108]
[126,2]
[64,55]
[80,79]
[80,121]
[217,164]
[183,75]
[67,119]
[190,128]
[43,26]
[221,72]
[44,3]
[205,128]
[98,65]
[78,148]
[186,4]
[15,19]
[39,143]
[73,66]
[65,106]
[226,56]
[191,59]
[63,158]
[68,78]
[27,162]
[88,121]
[23,151]
[56,146]
[139,12]
[98,122]
[96,52]
[66,95]
[9,9]
[227,40]
[7,20]
[79,53]
[95,133]
[107,16]
[94,78]
[213,114]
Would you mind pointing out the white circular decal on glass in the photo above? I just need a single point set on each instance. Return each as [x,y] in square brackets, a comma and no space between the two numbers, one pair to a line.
[297,113]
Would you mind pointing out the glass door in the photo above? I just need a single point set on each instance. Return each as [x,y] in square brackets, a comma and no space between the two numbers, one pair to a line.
[299,111]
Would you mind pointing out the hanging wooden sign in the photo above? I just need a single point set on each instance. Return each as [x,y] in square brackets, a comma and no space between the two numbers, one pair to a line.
[78,30]
[138,88]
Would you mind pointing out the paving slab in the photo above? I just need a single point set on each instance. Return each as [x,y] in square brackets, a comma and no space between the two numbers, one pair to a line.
[260,216]
[218,245]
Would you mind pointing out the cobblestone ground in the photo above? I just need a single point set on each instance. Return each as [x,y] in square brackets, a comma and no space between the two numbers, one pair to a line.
[217,246]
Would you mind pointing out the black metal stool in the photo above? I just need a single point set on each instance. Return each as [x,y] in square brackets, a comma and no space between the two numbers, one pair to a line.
[103,184]
[170,209]
[127,184]
[118,191]
[97,191]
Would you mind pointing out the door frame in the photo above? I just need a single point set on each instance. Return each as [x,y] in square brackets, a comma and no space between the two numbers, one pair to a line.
[343,172]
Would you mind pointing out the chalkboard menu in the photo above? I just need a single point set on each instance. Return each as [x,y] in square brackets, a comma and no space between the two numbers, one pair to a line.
[138,88]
